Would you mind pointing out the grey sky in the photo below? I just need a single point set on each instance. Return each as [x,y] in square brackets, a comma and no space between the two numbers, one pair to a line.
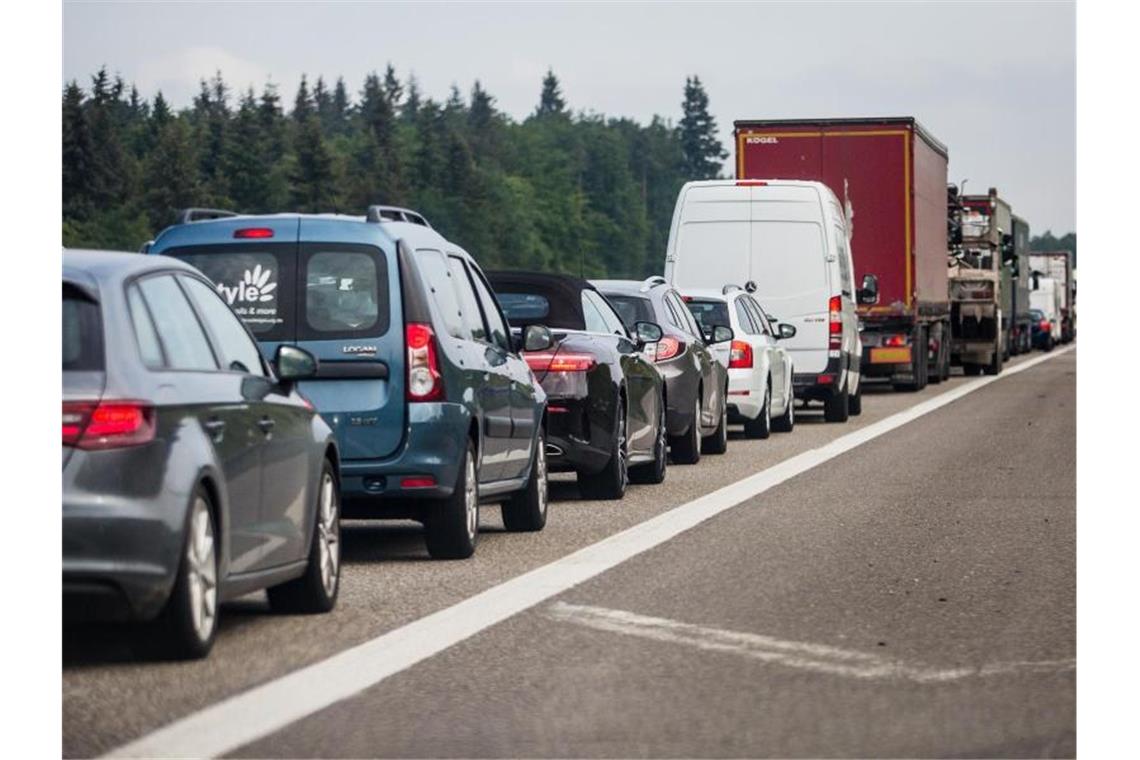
[996,82]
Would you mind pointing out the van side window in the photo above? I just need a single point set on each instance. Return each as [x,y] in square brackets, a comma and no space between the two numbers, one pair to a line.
[469,311]
[440,284]
[844,260]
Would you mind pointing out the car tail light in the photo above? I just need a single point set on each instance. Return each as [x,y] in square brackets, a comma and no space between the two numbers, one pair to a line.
[827,379]
[1044,324]
[894,341]
[751,183]
[668,348]
[425,383]
[835,323]
[417,481]
[560,362]
[740,355]
[253,232]
[107,425]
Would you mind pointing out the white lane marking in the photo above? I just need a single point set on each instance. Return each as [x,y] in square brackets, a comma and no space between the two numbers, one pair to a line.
[818,658]
[251,715]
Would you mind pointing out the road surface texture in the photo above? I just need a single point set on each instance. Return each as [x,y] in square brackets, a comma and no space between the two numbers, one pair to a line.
[913,596]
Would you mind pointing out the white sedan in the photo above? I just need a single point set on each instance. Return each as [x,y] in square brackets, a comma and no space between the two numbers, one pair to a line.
[760,391]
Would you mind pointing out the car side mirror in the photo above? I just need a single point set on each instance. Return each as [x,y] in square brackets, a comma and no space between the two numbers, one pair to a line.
[537,338]
[722,334]
[785,331]
[869,293]
[291,363]
[647,332]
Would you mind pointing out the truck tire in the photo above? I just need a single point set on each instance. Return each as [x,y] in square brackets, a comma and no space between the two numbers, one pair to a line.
[452,524]
[918,364]
[995,365]
[972,370]
[836,408]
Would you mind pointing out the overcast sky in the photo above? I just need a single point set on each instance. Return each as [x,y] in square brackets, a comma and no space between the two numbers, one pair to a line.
[996,82]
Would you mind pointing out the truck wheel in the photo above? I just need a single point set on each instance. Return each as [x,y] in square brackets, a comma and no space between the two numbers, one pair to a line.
[761,427]
[526,509]
[686,449]
[995,365]
[835,408]
[972,370]
[452,524]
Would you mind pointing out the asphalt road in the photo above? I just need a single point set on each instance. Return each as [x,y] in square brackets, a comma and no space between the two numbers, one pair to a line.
[914,596]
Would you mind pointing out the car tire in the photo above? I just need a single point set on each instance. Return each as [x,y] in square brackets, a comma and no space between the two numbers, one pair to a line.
[1049,344]
[610,483]
[686,449]
[836,408]
[717,443]
[995,365]
[525,510]
[190,617]
[316,591]
[972,370]
[452,524]
[761,427]
[654,472]
[786,422]
[855,402]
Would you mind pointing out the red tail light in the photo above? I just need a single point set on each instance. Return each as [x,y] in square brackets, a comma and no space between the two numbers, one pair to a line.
[1044,324]
[668,347]
[740,355]
[560,362]
[894,341]
[417,481]
[751,183]
[425,383]
[253,232]
[108,425]
[835,323]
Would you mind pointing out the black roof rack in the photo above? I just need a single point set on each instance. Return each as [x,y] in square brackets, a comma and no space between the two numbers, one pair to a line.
[380,214]
[187,215]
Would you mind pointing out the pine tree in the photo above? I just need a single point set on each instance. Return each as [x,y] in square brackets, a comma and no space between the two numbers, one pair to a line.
[703,152]
[77,155]
[551,102]
[303,103]
[393,90]
[411,108]
[313,178]
[171,175]
[340,107]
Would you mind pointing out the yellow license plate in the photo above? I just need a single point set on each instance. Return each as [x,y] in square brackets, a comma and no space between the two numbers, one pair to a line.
[890,355]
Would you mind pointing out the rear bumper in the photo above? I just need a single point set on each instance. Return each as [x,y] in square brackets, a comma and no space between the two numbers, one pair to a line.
[745,395]
[433,446]
[574,441]
[820,386]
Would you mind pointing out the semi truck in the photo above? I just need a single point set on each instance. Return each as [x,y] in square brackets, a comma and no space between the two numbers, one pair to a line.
[1018,260]
[890,175]
[1059,266]
[981,285]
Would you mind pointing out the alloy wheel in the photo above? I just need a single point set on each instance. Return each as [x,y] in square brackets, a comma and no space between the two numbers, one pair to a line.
[328,534]
[203,571]
[471,499]
[540,473]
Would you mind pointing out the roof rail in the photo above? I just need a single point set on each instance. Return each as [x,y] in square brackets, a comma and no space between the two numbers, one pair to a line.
[651,281]
[729,288]
[380,214]
[187,215]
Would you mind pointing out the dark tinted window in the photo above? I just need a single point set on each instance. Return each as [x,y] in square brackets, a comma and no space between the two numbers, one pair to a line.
[708,314]
[149,348]
[82,332]
[346,294]
[468,303]
[524,307]
[183,341]
[238,351]
[256,284]
[632,309]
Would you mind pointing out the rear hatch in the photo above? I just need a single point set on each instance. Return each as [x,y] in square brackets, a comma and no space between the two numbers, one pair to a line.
[338,300]
[84,375]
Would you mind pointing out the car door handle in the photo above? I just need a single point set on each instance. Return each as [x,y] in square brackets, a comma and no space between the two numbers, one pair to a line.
[266,424]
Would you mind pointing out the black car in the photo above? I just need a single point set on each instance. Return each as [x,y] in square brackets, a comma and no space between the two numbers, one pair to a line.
[605,399]
[696,383]
[1042,330]
[193,471]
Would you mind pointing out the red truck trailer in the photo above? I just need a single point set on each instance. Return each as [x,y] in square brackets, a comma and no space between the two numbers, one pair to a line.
[890,173]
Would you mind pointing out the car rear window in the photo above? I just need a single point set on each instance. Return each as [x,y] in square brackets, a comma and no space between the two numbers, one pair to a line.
[631,309]
[256,283]
[82,332]
[524,307]
[709,313]
[346,294]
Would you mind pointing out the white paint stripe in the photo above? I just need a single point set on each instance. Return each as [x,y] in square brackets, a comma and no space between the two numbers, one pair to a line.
[818,658]
[246,717]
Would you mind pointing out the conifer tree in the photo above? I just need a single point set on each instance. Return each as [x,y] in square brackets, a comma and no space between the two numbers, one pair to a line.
[704,155]
[77,155]
[550,102]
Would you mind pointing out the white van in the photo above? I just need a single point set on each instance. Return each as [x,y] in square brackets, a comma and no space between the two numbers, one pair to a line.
[787,242]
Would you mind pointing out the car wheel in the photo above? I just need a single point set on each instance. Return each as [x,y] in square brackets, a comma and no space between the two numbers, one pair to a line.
[610,483]
[972,370]
[654,472]
[525,510]
[855,403]
[191,614]
[686,449]
[452,524]
[786,422]
[717,443]
[995,365]
[316,590]
[835,408]
[1049,343]
[761,427]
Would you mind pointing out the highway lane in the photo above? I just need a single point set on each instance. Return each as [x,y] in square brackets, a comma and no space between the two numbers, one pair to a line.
[111,696]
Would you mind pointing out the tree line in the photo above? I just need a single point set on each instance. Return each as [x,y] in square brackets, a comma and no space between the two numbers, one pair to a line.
[557,191]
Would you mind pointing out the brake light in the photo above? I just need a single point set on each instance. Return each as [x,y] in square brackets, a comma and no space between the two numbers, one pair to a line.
[740,355]
[751,183]
[109,425]
[560,362]
[253,232]
[668,348]
[894,341]
[835,323]
[425,383]
[1044,324]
